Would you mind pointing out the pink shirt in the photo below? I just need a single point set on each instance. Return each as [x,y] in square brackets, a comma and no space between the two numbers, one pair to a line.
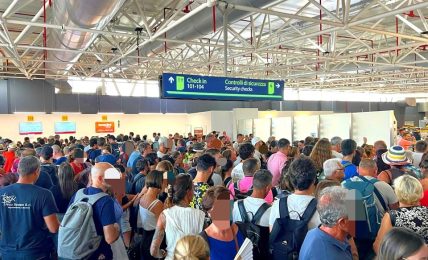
[245,185]
[275,164]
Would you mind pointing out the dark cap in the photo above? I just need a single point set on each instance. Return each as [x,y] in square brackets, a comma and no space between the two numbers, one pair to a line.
[46,152]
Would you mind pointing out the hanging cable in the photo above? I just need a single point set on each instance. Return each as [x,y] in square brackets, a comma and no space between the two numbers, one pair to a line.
[138,30]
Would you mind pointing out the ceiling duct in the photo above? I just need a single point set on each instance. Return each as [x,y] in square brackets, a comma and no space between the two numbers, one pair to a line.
[88,14]
[201,25]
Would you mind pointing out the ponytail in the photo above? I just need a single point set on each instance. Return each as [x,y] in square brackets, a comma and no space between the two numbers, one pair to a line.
[178,191]
[169,200]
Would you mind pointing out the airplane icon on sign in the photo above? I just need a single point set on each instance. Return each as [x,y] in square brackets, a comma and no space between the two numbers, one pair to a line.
[277,85]
[171,79]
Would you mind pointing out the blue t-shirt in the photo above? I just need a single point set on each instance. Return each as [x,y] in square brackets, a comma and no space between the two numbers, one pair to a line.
[104,215]
[350,170]
[321,246]
[44,180]
[24,232]
[134,165]
[224,250]
[60,160]
[115,150]
[92,154]
[133,157]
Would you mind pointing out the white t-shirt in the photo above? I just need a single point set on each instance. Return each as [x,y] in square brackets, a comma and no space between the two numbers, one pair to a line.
[297,205]
[160,155]
[216,178]
[251,206]
[257,155]
[416,158]
[238,172]
[336,154]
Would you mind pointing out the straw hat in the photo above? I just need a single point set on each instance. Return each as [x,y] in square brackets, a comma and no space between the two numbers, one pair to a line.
[396,155]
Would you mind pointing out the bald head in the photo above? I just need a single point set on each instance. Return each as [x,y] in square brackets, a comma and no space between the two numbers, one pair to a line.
[98,172]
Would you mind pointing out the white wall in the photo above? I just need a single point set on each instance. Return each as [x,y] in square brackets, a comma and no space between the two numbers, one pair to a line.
[335,125]
[305,126]
[373,125]
[275,113]
[282,127]
[202,119]
[222,121]
[262,128]
[85,124]
[240,115]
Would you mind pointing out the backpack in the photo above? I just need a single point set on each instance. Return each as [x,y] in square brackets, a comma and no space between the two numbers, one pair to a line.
[288,234]
[394,173]
[241,195]
[257,234]
[367,215]
[77,236]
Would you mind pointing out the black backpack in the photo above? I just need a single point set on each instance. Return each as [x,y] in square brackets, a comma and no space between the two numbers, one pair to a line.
[257,234]
[241,195]
[288,234]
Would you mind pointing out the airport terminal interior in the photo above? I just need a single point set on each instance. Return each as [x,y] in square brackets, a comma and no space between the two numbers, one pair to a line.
[214,129]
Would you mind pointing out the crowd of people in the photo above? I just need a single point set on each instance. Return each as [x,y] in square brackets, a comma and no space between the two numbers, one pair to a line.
[208,197]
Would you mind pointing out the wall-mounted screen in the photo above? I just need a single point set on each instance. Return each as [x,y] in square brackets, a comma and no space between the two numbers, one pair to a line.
[65,127]
[182,86]
[30,128]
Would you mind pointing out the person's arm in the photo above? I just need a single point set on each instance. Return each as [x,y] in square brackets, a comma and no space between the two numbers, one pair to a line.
[354,249]
[111,233]
[155,250]
[385,226]
[384,176]
[52,223]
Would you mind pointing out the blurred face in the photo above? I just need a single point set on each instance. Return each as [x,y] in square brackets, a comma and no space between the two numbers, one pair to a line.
[148,149]
[220,213]
[407,137]
[339,174]
[240,139]
[300,145]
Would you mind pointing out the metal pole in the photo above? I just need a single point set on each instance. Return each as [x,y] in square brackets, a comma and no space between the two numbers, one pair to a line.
[225,25]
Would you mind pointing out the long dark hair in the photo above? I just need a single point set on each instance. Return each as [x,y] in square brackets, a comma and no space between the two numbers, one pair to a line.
[66,180]
[177,192]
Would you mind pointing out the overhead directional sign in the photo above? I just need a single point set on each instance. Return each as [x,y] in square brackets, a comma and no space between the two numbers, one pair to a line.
[182,86]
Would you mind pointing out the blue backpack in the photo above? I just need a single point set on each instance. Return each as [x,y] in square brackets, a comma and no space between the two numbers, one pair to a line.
[367,215]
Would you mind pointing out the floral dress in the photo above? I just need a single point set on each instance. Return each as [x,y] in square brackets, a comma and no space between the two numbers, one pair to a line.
[412,218]
[199,190]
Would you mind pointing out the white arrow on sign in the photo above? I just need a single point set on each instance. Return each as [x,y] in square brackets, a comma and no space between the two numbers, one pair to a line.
[277,85]
[171,79]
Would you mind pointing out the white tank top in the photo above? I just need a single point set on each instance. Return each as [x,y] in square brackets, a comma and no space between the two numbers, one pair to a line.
[148,219]
[181,221]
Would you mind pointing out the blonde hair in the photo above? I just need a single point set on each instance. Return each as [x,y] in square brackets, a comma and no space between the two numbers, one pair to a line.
[165,166]
[408,189]
[191,247]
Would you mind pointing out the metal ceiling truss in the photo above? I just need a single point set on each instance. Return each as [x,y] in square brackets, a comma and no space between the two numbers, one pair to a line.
[376,45]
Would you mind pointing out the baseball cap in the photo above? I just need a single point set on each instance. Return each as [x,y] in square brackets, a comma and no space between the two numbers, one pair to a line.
[12,146]
[255,140]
